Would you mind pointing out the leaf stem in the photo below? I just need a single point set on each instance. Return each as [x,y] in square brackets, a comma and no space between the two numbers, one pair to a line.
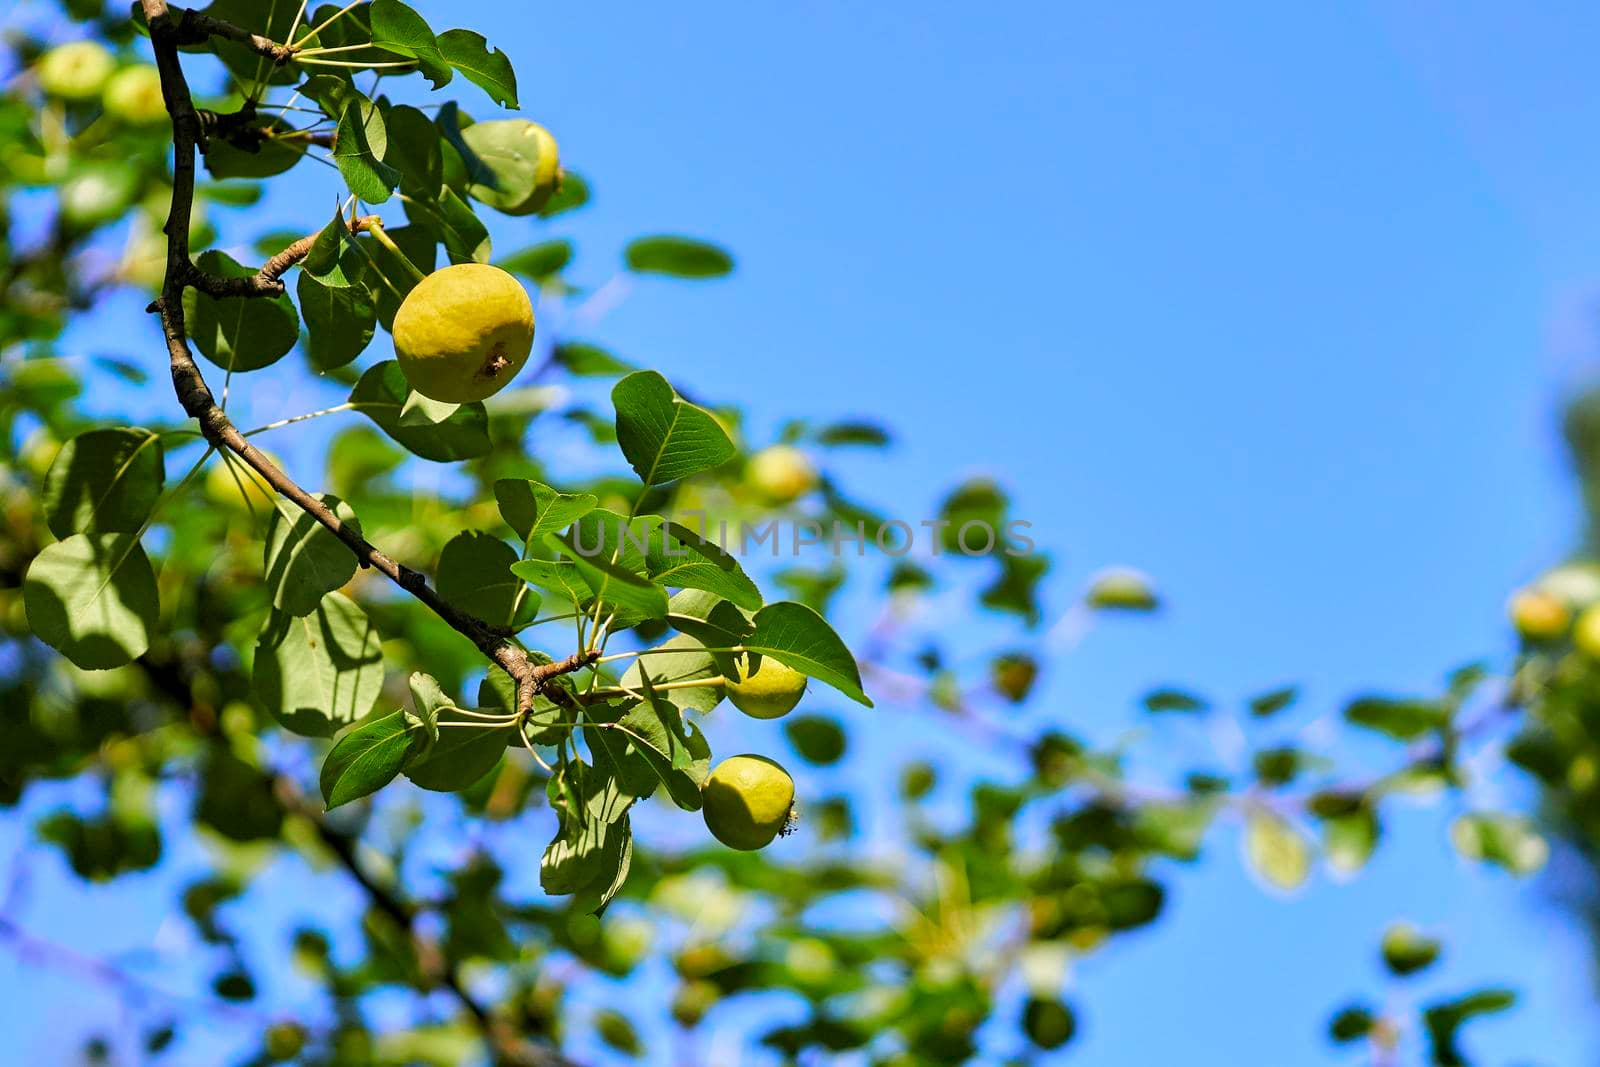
[664,652]
[288,38]
[281,423]
[330,51]
[329,21]
[662,687]
[349,64]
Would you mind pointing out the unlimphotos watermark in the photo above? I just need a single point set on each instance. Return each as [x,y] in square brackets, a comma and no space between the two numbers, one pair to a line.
[777,537]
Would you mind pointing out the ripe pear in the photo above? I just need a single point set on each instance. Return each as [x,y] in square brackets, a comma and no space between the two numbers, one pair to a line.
[463,332]
[76,71]
[134,95]
[781,474]
[748,800]
[769,691]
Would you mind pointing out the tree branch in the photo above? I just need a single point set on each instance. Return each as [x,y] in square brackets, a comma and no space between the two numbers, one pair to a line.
[166,34]
[195,27]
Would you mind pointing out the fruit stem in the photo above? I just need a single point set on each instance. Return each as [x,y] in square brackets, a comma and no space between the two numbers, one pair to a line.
[375,227]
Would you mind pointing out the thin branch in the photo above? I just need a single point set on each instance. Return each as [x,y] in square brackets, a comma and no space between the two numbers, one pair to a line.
[186,26]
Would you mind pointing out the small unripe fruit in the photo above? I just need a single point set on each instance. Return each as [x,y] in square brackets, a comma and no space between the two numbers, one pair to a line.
[781,473]
[284,1041]
[769,691]
[463,332]
[1586,632]
[76,71]
[99,194]
[1538,616]
[748,800]
[134,95]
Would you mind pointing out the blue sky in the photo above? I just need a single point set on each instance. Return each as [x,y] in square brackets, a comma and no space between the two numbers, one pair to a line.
[1273,301]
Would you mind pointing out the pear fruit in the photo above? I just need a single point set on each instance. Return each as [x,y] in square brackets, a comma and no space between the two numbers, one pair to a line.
[748,801]
[766,690]
[463,333]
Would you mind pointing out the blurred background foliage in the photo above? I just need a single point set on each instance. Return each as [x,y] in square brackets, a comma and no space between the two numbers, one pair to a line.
[927,917]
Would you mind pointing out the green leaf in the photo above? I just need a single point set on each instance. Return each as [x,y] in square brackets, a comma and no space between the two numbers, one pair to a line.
[681,558]
[541,261]
[709,619]
[533,509]
[428,702]
[303,559]
[271,158]
[1401,719]
[572,194]
[1444,1020]
[1174,700]
[397,28]
[679,257]
[462,755]
[92,597]
[560,577]
[1349,839]
[1275,851]
[334,259]
[653,733]
[589,361]
[368,758]
[681,658]
[415,151]
[358,149]
[1350,1024]
[614,585]
[339,322]
[452,220]
[239,333]
[1508,841]
[1406,950]
[663,436]
[318,673]
[798,637]
[1273,701]
[818,739]
[103,481]
[490,71]
[588,848]
[381,395]
[475,576]
[865,434]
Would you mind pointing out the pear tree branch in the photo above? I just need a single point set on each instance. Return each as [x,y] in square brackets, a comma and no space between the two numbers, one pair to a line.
[170,28]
